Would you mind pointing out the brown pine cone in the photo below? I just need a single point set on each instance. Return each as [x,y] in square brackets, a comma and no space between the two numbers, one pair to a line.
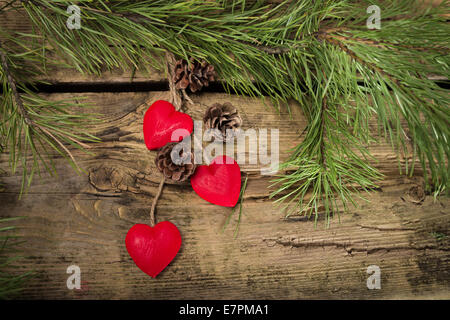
[195,76]
[170,168]
[223,118]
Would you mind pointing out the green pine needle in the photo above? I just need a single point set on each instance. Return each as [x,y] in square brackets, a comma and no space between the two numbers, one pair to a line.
[33,130]
[11,283]
[240,200]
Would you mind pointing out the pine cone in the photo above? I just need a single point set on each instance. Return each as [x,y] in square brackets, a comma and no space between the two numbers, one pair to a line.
[223,118]
[195,76]
[171,170]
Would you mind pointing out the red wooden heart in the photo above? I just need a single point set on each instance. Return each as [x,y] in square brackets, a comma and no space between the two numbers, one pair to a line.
[161,120]
[152,249]
[218,183]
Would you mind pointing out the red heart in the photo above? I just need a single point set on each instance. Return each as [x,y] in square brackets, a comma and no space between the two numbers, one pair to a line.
[218,183]
[152,249]
[161,120]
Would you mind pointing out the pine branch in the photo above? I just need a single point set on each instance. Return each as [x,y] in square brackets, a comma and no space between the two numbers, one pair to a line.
[330,38]
[12,84]
[437,116]
[31,125]
[374,67]
[389,44]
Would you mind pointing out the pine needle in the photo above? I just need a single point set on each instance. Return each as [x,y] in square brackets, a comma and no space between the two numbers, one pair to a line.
[240,200]
[10,283]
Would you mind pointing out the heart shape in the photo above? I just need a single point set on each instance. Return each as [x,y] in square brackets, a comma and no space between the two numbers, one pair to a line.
[218,183]
[153,248]
[161,120]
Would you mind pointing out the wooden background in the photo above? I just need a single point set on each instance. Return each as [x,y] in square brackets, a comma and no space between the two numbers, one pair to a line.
[83,219]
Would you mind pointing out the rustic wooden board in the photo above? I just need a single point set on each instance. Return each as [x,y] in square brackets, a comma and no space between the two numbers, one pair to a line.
[83,220]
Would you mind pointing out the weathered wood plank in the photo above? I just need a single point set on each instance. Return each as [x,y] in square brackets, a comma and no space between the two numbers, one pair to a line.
[83,220]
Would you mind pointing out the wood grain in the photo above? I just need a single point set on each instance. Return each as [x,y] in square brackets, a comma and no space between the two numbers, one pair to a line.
[83,220]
